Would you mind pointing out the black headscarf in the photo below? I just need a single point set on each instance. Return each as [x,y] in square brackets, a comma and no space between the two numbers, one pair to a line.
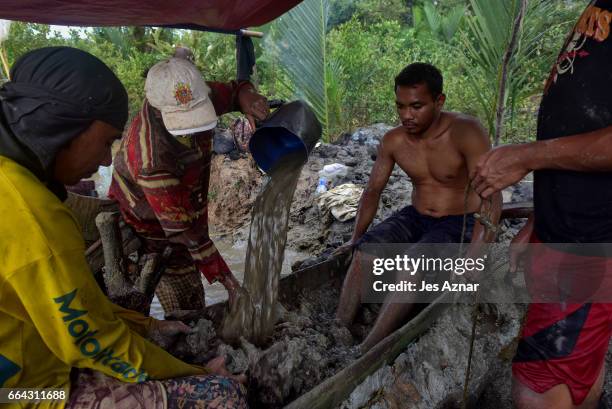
[55,94]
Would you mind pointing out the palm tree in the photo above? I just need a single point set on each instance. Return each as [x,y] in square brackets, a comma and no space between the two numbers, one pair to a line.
[500,39]
[5,26]
[440,27]
[297,40]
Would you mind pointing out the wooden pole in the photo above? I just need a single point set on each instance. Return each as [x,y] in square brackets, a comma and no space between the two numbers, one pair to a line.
[251,33]
[5,64]
[112,245]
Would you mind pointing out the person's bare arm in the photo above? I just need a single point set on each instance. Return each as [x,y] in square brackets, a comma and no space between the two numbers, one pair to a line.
[381,171]
[506,165]
[588,152]
[473,143]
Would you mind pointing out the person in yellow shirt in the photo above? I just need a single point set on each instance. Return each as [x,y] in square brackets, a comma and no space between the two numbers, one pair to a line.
[59,116]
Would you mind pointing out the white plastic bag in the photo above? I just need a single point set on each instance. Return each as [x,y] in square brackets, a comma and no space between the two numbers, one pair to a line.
[333,172]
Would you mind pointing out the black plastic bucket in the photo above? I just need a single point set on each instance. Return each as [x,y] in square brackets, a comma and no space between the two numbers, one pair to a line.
[293,129]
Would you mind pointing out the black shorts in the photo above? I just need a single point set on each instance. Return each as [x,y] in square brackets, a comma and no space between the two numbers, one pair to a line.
[410,226]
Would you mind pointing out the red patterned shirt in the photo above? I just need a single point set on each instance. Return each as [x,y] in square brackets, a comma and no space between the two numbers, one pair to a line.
[161,184]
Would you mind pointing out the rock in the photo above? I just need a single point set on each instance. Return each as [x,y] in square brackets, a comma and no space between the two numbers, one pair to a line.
[372,149]
[326,150]
[199,345]
[235,154]
[283,370]
[342,336]
[522,192]
[352,162]
[373,383]
[297,320]
[507,195]
[340,233]
[372,132]
[223,141]
[497,393]
[236,360]
[321,340]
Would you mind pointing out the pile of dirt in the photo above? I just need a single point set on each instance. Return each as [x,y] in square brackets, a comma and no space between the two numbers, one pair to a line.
[307,347]
[234,184]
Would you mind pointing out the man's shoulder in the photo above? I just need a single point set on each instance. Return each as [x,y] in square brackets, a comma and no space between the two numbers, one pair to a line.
[394,134]
[465,128]
[461,121]
[391,140]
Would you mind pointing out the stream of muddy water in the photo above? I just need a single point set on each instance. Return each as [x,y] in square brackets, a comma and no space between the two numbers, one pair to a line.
[252,313]
[234,254]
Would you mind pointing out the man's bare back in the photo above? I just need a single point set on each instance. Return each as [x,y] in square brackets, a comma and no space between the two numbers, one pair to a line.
[438,163]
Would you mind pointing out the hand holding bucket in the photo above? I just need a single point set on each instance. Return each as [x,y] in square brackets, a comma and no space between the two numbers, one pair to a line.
[293,129]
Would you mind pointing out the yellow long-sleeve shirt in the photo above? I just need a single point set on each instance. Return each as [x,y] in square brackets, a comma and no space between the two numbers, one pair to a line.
[53,316]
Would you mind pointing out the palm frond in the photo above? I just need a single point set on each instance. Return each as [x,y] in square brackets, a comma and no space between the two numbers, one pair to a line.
[298,41]
[452,21]
[486,39]
[433,17]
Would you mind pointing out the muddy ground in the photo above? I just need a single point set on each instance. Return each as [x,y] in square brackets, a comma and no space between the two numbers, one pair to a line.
[308,346]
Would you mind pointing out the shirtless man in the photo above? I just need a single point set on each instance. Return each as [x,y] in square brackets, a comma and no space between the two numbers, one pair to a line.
[437,150]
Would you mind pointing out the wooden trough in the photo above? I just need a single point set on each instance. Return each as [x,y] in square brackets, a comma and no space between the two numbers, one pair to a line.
[335,389]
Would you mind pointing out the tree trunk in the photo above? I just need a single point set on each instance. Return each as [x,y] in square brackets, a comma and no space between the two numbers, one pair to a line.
[139,39]
[409,19]
[501,104]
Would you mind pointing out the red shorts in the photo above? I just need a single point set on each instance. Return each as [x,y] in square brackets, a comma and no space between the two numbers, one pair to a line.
[562,343]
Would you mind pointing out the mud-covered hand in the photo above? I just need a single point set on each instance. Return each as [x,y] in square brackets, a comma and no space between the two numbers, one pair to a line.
[165,333]
[253,104]
[231,285]
[171,328]
[216,366]
[345,248]
[500,168]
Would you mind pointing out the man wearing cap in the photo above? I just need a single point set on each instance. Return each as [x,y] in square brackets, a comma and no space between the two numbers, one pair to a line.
[59,116]
[162,174]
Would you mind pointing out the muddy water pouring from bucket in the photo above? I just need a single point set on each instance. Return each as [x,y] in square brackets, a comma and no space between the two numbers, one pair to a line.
[281,148]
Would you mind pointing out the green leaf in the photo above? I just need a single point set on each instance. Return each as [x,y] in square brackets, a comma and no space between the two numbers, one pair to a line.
[298,42]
